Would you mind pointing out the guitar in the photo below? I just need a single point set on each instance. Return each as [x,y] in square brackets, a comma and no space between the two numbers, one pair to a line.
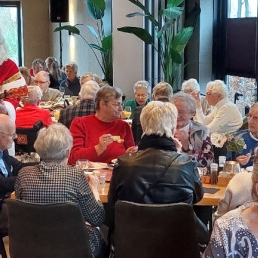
[15,93]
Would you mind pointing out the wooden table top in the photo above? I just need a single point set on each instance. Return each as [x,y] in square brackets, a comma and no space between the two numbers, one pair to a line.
[207,200]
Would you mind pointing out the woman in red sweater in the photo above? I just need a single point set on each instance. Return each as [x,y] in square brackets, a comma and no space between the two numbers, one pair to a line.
[103,136]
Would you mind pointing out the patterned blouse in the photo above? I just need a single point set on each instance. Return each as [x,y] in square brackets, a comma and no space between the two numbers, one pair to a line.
[231,237]
[57,183]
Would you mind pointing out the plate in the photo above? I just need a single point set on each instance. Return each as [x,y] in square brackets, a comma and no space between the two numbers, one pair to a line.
[97,165]
[249,169]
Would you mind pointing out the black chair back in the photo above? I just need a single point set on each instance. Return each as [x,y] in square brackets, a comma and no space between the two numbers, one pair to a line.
[155,230]
[47,230]
[26,138]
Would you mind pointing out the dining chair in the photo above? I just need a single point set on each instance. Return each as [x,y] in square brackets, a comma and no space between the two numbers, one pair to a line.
[154,230]
[26,138]
[2,246]
[47,230]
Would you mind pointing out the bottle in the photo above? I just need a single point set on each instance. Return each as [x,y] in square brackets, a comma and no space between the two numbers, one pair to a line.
[222,160]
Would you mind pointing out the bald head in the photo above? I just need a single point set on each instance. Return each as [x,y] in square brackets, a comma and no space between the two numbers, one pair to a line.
[7,132]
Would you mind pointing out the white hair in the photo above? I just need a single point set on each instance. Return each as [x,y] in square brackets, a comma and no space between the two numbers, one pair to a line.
[159,118]
[89,90]
[190,86]
[141,85]
[34,95]
[218,87]
[3,49]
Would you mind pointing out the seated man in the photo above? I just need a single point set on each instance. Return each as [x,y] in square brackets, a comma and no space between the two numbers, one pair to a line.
[71,84]
[42,79]
[9,166]
[194,137]
[86,106]
[157,173]
[250,136]
[30,113]
[225,116]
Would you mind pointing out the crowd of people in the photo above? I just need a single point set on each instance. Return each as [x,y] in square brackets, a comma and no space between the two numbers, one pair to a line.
[157,155]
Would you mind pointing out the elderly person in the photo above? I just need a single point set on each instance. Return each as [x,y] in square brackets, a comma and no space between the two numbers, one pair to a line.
[52,181]
[86,106]
[42,79]
[71,84]
[89,76]
[236,233]
[194,137]
[9,166]
[190,87]
[26,75]
[141,94]
[103,136]
[250,137]
[162,91]
[38,65]
[30,113]
[225,116]
[157,173]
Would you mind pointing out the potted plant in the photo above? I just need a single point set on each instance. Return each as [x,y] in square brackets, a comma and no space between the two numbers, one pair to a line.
[172,39]
[103,44]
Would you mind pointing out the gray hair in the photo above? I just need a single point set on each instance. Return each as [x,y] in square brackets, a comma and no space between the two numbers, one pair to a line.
[162,90]
[141,85]
[190,86]
[105,93]
[34,95]
[72,65]
[53,143]
[38,61]
[89,90]
[159,118]
[187,98]
[90,76]
[218,87]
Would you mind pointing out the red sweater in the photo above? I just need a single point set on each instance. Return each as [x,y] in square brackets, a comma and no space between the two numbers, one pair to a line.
[86,131]
[27,116]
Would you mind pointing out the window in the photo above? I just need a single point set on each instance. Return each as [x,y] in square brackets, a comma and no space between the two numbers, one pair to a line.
[10,16]
[241,23]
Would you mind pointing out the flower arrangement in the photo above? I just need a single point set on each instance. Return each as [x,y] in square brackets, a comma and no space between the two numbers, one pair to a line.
[233,143]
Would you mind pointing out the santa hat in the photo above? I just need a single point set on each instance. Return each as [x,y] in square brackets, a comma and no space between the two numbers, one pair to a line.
[10,76]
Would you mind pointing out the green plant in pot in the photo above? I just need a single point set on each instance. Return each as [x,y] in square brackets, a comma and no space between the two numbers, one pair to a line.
[172,39]
[103,44]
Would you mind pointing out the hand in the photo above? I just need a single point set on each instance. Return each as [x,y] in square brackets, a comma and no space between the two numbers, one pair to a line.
[243,159]
[178,145]
[182,136]
[197,99]
[132,149]
[104,141]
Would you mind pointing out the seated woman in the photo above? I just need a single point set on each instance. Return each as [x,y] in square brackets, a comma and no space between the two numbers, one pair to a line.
[102,136]
[141,93]
[52,181]
[157,173]
[194,137]
[236,233]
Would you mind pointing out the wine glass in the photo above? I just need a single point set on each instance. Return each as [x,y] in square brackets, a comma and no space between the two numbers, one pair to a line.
[127,112]
[62,90]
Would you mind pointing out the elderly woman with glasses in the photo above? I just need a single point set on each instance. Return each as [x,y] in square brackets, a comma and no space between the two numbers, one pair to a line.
[103,136]
[52,181]
[141,93]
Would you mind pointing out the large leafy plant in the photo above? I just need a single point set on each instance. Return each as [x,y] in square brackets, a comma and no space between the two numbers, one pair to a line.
[172,39]
[103,44]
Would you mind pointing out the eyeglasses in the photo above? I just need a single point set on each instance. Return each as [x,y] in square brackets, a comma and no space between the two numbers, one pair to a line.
[10,135]
[141,95]
[249,116]
[40,82]
[117,105]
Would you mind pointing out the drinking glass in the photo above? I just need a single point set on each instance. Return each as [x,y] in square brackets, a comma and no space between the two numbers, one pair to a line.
[57,114]
[82,164]
[127,112]
[62,90]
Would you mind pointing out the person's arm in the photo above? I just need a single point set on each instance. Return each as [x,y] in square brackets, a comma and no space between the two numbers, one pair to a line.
[198,189]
